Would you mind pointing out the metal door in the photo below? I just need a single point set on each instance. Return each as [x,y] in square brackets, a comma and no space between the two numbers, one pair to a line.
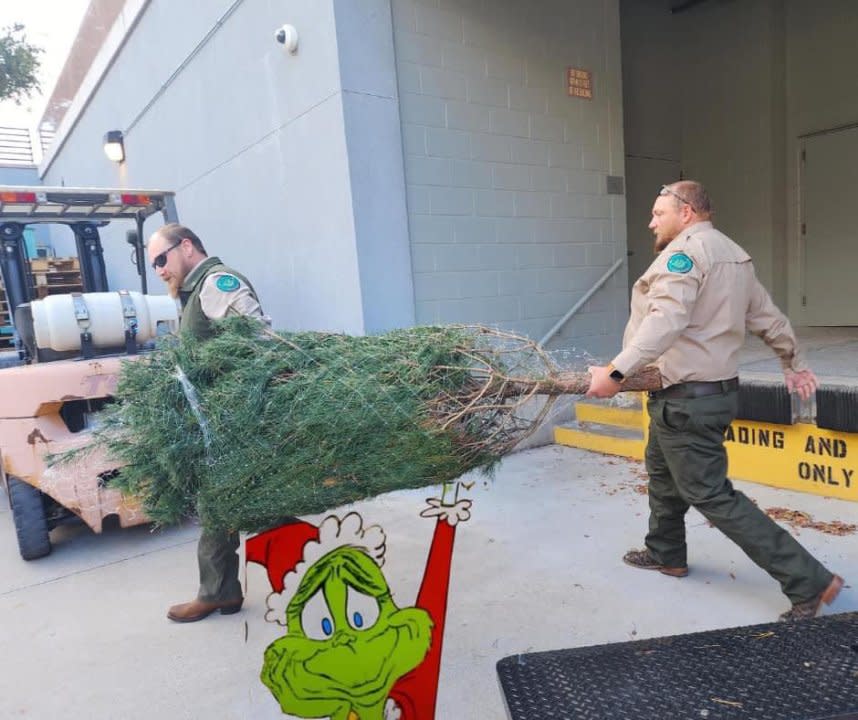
[829,196]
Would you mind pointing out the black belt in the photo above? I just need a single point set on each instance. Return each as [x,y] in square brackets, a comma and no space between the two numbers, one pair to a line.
[695,389]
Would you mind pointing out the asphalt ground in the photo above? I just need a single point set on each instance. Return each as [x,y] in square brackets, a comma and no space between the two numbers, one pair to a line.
[83,632]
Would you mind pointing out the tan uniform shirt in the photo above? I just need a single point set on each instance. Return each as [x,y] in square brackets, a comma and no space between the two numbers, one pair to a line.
[230,297]
[690,309]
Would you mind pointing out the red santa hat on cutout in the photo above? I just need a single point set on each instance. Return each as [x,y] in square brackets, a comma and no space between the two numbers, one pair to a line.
[287,552]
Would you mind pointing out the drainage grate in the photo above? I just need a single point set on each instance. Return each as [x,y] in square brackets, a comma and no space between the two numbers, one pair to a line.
[777,671]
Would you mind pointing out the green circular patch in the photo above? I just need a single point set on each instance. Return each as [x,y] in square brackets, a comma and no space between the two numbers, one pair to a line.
[680,263]
[228,283]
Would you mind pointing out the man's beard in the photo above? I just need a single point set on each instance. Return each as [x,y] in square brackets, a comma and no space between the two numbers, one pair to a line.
[173,286]
[660,244]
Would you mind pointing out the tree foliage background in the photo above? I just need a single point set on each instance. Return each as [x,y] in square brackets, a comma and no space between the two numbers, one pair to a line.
[19,64]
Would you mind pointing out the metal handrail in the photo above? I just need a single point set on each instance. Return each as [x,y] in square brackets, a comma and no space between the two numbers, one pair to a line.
[578,305]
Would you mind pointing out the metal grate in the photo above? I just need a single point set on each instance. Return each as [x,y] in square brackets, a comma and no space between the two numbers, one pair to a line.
[777,671]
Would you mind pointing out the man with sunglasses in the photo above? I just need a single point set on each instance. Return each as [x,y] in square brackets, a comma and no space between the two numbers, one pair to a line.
[689,313]
[208,290]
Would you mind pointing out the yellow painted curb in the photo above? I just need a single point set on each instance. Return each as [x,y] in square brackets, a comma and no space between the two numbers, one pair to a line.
[798,457]
[598,442]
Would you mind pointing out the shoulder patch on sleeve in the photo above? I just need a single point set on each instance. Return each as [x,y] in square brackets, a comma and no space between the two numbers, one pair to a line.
[227,283]
[680,263]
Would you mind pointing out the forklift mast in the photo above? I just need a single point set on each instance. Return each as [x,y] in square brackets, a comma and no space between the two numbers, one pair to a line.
[90,256]
[13,264]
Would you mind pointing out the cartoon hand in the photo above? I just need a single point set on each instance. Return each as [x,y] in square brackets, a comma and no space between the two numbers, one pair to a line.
[453,514]
[274,670]
[415,622]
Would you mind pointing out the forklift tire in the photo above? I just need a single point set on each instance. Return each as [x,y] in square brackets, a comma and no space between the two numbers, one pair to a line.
[31,525]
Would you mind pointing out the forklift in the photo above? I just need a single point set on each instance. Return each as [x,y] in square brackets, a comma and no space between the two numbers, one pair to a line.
[69,349]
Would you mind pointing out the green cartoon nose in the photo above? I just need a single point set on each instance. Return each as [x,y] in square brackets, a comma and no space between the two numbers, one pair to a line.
[343,637]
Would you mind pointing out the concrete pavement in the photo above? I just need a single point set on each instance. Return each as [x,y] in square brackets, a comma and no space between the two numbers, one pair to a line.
[83,632]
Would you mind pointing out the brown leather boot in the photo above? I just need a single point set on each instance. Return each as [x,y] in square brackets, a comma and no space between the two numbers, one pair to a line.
[198,609]
[644,561]
[810,608]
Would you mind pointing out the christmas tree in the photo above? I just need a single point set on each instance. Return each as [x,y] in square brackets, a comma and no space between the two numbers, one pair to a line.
[251,426]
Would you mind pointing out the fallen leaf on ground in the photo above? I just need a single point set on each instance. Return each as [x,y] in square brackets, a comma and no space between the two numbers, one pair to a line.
[798,518]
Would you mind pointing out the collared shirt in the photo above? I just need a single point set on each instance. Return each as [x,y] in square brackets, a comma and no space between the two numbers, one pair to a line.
[223,293]
[212,291]
[690,310]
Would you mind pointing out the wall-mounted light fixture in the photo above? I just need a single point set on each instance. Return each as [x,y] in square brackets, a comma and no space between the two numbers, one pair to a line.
[114,146]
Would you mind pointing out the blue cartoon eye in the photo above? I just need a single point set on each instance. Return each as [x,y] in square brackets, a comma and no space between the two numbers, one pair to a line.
[361,610]
[316,618]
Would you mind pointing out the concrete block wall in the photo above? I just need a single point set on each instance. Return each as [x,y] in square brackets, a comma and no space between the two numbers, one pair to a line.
[509,217]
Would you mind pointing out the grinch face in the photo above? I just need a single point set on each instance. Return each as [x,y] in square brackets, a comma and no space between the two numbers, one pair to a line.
[347,642]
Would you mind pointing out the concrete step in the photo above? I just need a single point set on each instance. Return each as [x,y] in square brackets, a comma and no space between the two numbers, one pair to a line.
[600,437]
[610,415]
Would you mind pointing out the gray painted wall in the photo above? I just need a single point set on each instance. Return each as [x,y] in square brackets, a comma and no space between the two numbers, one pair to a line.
[506,174]
[376,173]
[252,140]
[17,175]
[420,162]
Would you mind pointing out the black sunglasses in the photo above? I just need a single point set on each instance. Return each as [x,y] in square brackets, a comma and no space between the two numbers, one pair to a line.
[667,191]
[161,258]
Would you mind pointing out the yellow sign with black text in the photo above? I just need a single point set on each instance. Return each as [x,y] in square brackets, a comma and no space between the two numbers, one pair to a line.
[797,457]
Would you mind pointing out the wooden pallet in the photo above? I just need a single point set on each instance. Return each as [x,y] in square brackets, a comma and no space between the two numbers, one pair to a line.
[54,264]
[53,276]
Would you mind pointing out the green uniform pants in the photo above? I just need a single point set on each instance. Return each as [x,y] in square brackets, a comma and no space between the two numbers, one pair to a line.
[217,553]
[687,465]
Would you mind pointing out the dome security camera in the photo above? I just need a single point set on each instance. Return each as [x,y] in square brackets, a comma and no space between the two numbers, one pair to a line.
[287,36]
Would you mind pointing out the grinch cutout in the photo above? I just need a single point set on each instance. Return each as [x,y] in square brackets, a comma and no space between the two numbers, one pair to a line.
[349,652]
